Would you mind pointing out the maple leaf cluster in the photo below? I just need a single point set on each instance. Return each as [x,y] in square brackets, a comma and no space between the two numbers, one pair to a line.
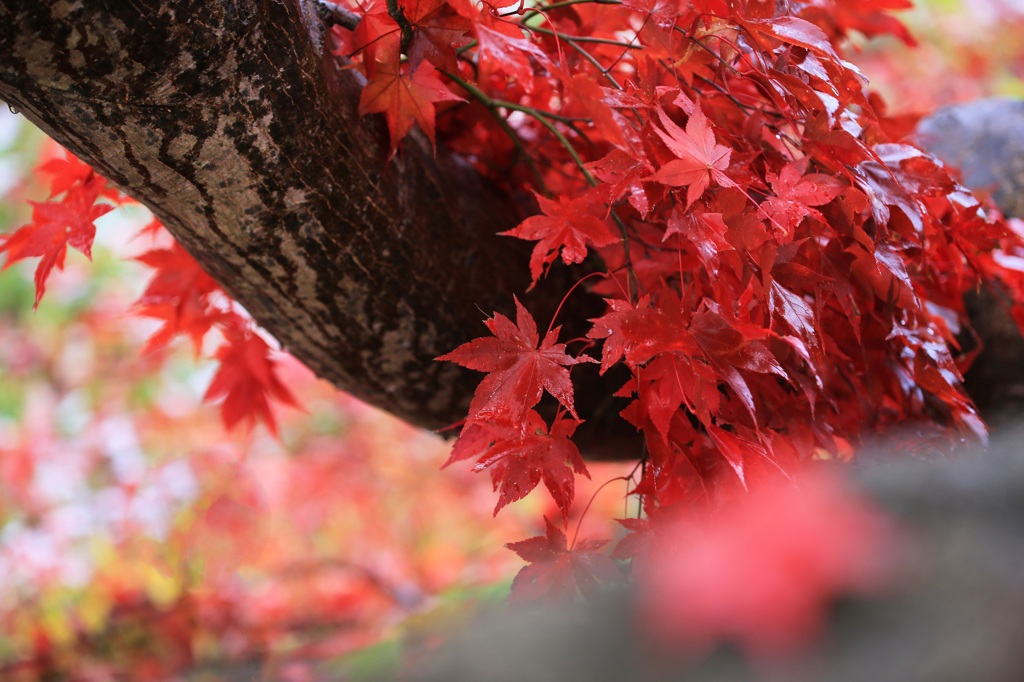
[66,219]
[783,270]
[189,303]
[763,570]
[179,293]
[503,429]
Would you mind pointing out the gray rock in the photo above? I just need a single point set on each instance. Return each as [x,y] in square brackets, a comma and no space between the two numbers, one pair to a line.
[985,139]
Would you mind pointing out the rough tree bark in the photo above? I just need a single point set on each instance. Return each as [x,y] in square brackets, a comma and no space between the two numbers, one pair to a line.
[230,120]
[226,118]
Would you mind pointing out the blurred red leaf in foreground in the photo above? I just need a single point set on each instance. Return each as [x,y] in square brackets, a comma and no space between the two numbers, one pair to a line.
[762,570]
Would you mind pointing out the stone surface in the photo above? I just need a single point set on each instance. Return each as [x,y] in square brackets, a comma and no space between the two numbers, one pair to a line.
[985,140]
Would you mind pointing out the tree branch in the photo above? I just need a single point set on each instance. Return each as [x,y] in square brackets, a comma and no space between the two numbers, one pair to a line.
[336,15]
[231,121]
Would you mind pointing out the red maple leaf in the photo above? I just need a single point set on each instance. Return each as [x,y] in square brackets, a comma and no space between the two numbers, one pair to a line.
[700,159]
[621,173]
[509,54]
[179,294]
[706,231]
[69,173]
[797,314]
[66,173]
[795,31]
[808,544]
[638,333]
[437,32]
[246,380]
[567,225]
[405,98]
[176,271]
[672,380]
[558,571]
[376,34]
[520,457]
[519,369]
[796,193]
[55,226]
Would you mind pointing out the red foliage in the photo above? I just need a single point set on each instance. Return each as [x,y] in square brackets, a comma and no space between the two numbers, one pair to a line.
[568,225]
[780,275]
[781,271]
[557,570]
[180,294]
[58,224]
[247,379]
[522,454]
[518,369]
[699,160]
[405,98]
[763,570]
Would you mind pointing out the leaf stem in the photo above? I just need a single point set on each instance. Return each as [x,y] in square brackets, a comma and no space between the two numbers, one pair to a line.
[566,297]
[593,497]
[337,15]
[631,280]
[398,15]
[596,64]
[567,3]
[580,39]
[545,118]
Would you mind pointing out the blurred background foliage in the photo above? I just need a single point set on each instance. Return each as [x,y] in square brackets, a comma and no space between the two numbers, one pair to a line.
[139,540]
[967,49]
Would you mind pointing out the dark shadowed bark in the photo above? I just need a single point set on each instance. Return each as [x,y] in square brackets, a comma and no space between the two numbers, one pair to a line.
[230,120]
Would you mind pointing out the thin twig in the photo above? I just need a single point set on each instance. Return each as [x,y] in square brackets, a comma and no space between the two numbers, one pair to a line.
[336,15]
